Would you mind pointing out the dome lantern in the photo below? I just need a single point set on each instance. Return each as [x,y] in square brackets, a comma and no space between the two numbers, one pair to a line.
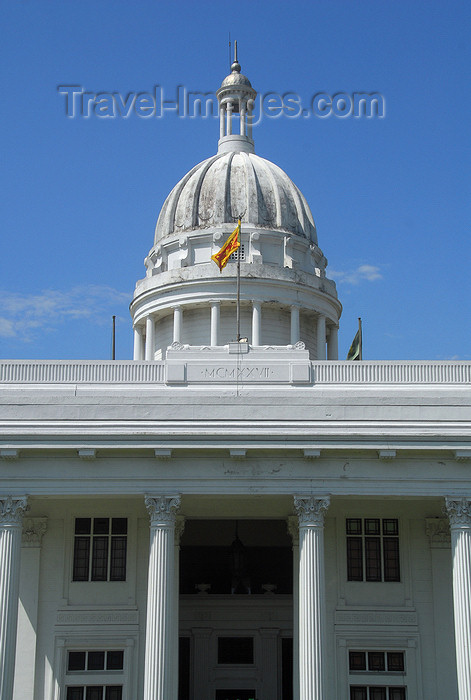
[236,99]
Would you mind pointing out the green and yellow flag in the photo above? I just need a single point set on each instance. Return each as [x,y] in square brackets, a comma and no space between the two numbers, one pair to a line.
[229,247]
[355,352]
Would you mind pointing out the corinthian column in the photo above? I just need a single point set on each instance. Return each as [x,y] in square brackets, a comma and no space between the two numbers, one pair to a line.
[11,514]
[459,513]
[311,511]
[160,679]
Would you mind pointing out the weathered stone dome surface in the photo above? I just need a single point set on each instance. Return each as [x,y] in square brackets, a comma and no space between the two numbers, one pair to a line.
[233,184]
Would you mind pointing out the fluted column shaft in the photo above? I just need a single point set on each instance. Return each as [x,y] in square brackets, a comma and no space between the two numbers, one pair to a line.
[459,513]
[311,511]
[11,514]
[160,679]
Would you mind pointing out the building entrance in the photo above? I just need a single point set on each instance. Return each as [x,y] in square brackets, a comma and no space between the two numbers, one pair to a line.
[236,611]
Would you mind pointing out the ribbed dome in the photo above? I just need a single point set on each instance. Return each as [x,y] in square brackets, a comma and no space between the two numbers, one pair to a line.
[233,184]
[236,79]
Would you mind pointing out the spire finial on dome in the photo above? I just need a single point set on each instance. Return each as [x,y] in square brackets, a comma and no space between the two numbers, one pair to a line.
[236,100]
[235,67]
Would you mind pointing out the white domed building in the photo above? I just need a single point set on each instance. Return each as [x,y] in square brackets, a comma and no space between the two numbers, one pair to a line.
[235,514]
[285,296]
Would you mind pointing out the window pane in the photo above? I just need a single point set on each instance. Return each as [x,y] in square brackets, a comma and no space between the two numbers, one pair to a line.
[114,660]
[118,559]
[235,650]
[75,692]
[357,661]
[376,661]
[353,526]
[83,526]
[372,526]
[94,692]
[377,693]
[391,559]
[373,558]
[96,660]
[119,526]
[395,694]
[76,661]
[390,526]
[81,559]
[114,692]
[395,661]
[354,559]
[101,526]
[100,559]
[357,692]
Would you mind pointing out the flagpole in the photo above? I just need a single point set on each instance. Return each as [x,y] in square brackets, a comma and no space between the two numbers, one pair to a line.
[360,335]
[238,286]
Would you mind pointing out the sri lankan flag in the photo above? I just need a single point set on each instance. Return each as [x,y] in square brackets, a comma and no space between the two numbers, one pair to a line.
[356,348]
[229,247]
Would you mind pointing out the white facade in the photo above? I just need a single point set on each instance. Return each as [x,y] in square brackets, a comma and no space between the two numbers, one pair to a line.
[347,483]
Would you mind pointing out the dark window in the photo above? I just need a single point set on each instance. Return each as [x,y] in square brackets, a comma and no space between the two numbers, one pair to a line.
[76,661]
[96,661]
[357,693]
[376,661]
[397,693]
[395,661]
[377,693]
[354,526]
[373,549]
[391,559]
[357,660]
[75,692]
[373,558]
[81,558]
[355,558]
[100,549]
[372,526]
[114,660]
[118,559]
[94,692]
[235,650]
[113,692]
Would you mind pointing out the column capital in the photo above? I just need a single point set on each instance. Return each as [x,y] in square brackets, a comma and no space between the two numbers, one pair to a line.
[33,531]
[162,509]
[459,511]
[311,510]
[12,509]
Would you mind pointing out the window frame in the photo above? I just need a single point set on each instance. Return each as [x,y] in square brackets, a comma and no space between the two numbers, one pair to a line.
[368,550]
[89,543]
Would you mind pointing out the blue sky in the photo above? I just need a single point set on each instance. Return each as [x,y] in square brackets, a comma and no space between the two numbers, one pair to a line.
[390,197]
